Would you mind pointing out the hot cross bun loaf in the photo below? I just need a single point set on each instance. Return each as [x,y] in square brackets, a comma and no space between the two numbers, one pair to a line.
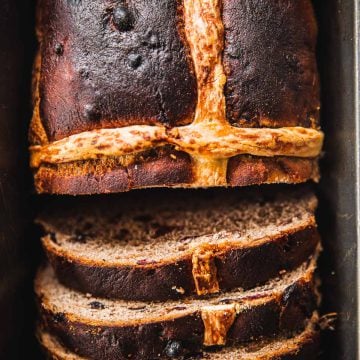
[134,94]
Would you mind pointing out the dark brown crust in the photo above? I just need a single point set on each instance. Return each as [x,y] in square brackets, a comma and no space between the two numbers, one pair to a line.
[245,268]
[286,314]
[90,76]
[244,170]
[270,63]
[163,169]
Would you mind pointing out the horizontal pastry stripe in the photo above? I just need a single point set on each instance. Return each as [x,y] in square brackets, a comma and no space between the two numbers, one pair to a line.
[218,142]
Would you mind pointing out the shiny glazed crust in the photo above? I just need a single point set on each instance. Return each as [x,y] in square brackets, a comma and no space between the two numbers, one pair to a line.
[275,139]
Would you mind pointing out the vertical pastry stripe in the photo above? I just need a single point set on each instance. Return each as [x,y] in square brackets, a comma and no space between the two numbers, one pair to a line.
[205,34]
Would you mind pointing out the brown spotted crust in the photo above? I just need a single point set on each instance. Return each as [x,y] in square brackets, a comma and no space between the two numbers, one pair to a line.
[284,314]
[245,267]
[88,79]
[270,63]
[166,167]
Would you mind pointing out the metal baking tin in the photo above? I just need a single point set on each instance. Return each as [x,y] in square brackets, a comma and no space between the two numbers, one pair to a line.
[339,188]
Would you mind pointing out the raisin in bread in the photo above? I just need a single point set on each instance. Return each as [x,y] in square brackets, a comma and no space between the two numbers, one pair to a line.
[116,329]
[303,346]
[167,244]
[174,93]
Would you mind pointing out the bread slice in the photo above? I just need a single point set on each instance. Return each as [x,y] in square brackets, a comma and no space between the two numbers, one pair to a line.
[303,346]
[154,247]
[138,330]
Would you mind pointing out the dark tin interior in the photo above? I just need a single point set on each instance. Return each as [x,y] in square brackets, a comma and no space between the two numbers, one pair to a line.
[338,190]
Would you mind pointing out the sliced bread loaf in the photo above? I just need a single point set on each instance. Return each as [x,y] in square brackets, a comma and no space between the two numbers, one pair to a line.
[303,346]
[100,328]
[151,248]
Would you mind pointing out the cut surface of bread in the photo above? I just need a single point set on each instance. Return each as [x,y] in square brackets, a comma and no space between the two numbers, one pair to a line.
[125,329]
[303,346]
[180,83]
[170,245]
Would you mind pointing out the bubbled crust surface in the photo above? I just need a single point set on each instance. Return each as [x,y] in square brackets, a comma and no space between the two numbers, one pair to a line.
[270,64]
[87,80]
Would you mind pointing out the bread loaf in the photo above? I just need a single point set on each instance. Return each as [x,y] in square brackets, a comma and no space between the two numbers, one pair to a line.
[174,93]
